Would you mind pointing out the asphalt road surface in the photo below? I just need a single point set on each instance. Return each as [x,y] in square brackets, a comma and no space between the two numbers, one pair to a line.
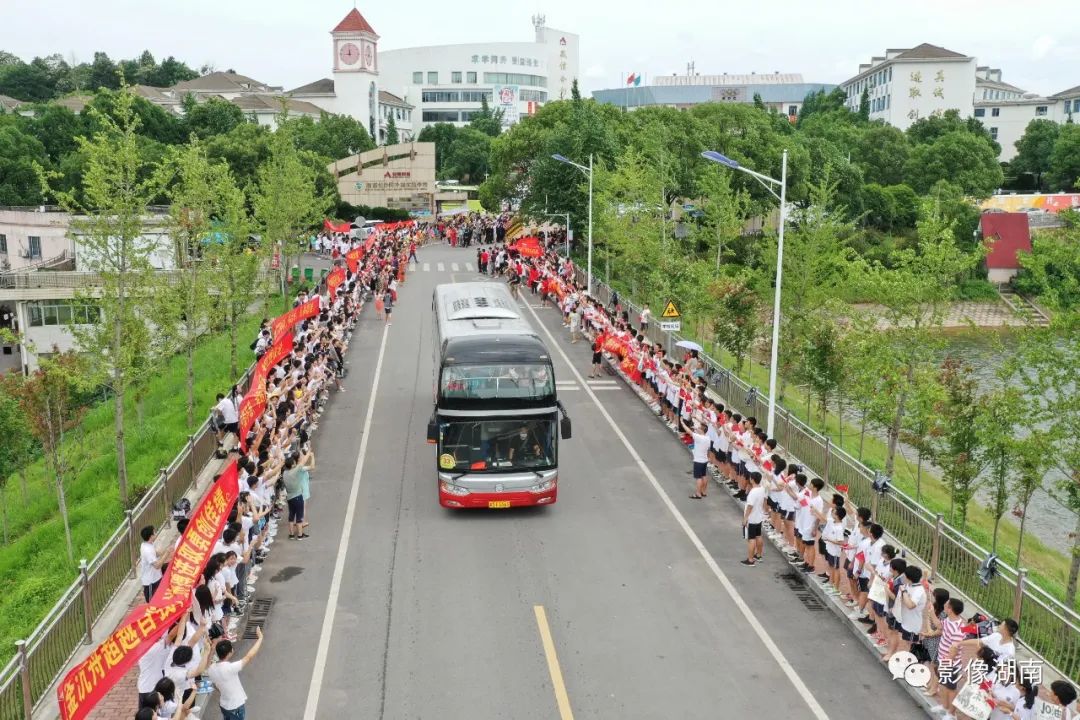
[625,599]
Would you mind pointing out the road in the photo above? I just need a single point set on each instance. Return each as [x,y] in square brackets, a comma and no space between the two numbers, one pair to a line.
[644,612]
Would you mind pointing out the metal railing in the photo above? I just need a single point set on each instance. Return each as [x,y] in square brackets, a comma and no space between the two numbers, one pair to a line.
[1048,628]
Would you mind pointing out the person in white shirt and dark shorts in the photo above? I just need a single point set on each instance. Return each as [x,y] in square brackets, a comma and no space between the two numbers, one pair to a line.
[701,457]
[753,517]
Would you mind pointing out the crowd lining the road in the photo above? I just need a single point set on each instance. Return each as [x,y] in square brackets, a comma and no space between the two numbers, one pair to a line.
[824,536]
[198,654]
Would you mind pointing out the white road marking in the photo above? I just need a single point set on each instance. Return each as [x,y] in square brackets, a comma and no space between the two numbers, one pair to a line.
[454,267]
[468,267]
[441,267]
[427,267]
[604,387]
[763,635]
[312,706]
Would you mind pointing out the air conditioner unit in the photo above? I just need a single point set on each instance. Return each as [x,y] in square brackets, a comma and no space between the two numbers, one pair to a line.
[24,254]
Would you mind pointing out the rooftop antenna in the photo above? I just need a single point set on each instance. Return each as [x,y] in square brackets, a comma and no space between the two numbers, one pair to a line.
[690,68]
[539,21]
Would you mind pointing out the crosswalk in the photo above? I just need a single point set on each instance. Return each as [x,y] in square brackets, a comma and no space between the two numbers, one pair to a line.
[441,267]
[594,384]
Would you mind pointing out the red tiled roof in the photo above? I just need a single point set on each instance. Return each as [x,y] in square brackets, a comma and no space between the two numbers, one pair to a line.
[354,22]
[1005,235]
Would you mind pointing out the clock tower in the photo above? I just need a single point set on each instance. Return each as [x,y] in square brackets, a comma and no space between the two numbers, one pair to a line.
[356,70]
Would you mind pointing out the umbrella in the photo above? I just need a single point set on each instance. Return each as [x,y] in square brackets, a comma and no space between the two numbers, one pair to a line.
[689,345]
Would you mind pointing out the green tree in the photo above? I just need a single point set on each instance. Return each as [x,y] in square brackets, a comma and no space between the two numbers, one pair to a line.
[1035,149]
[391,132]
[723,210]
[1033,458]
[920,419]
[245,148]
[913,294]
[194,202]
[957,444]
[103,73]
[48,399]
[737,323]
[56,127]
[442,134]
[881,151]
[998,413]
[486,120]
[575,91]
[19,446]
[959,157]
[19,153]
[927,130]
[1065,159]
[287,203]
[467,156]
[27,82]
[117,188]
[864,105]
[1052,270]
[759,104]
[214,116]
[820,101]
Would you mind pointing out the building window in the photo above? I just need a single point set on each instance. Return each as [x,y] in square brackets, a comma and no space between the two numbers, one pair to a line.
[532,96]
[1040,110]
[3,244]
[993,133]
[60,312]
[980,112]
[35,247]
[441,116]
[455,77]
[792,110]
[418,77]
[515,79]
[433,77]
[470,77]
[995,112]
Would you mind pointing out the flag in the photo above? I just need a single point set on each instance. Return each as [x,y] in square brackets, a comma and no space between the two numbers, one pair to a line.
[334,280]
[632,79]
[637,80]
[343,227]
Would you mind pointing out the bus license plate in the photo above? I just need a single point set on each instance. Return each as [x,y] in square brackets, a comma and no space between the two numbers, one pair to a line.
[498,504]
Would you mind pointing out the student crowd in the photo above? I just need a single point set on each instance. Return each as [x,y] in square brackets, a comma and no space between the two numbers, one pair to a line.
[837,545]
[275,460]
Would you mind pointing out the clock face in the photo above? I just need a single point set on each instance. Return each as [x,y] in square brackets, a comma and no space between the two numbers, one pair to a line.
[349,53]
[369,55]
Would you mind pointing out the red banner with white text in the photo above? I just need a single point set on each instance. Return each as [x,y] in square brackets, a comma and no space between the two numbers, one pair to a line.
[282,346]
[353,257]
[89,681]
[286,321]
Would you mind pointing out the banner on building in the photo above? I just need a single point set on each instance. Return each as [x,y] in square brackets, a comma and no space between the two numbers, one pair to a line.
[90,681]
[506,101]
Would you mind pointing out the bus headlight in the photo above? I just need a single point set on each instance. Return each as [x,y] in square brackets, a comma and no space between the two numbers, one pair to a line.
[543,486]
[451,489]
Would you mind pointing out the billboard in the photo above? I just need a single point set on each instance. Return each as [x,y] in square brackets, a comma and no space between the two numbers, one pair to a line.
[506,100]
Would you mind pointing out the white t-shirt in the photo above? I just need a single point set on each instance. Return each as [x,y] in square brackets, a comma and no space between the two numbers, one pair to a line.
[1001,648]
[227,409]
[1006,692]
[152,664]
[911,619]
[834,537]
[755,500]
[226,678]
[148,557]
[701,448]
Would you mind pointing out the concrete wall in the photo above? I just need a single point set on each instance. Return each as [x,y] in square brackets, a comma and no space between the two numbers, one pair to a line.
[19,225]
[1013,118]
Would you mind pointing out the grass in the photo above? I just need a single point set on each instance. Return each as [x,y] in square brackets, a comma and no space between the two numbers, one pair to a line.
[34,571]
[1048,568]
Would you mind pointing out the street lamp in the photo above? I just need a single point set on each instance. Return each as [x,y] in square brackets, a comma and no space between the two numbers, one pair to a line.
[588,171]
[769,184]
[567,216]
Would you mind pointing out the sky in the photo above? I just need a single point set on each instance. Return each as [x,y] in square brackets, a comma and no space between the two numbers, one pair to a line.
[287,43]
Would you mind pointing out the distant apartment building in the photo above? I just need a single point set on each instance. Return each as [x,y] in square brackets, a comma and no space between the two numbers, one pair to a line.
[904,85]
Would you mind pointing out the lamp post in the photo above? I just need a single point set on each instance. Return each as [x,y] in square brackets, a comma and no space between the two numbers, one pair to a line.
[588,171]
[567,216]
[770,184]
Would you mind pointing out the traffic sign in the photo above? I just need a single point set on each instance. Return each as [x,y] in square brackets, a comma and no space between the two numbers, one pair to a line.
[670,311]
[671,325]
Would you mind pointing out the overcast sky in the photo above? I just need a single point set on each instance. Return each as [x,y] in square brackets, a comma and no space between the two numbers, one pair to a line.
[287,42]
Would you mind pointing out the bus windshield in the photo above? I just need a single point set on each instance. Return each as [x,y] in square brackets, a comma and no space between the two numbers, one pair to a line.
[497,445]
[490,382]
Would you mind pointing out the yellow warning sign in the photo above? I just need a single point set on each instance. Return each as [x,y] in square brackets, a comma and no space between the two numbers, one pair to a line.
[670,310]
[446,461]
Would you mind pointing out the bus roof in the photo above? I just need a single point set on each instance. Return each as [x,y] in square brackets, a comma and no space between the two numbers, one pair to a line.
[478,308]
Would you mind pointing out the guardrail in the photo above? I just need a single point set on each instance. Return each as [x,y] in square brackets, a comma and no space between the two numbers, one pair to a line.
[43,655]
[1048,628]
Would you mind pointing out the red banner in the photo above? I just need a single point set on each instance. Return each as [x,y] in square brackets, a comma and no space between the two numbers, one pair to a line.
[528,247]
[615,346]
[251,407]
[353,257]
[277,352]
[285,322]
[342,227]
[334,280]
[89,681]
